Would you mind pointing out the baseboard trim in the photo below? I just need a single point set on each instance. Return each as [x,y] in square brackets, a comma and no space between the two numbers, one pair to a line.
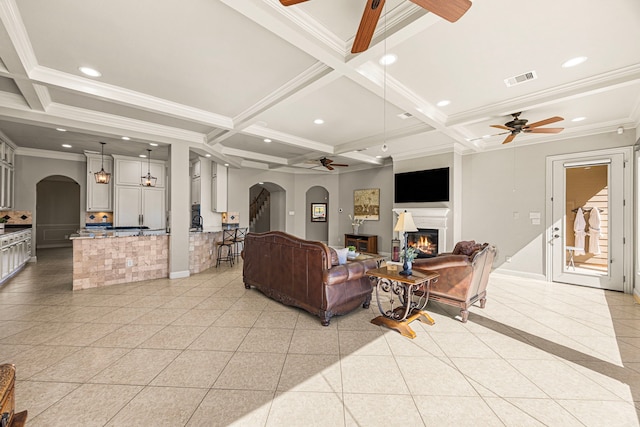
[179,274]
[636,295]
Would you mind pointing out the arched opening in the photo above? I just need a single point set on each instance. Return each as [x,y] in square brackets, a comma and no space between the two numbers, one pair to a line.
[267,208]
[317,225]
[57,211]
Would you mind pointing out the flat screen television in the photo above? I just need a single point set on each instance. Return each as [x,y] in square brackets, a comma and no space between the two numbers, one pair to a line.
[431,185]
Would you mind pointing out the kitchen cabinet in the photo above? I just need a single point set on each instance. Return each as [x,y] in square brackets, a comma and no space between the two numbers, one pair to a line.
[99,196]
[15,251]
[196,190]
[128,171]
[7,154]
[219,174]
[139,206]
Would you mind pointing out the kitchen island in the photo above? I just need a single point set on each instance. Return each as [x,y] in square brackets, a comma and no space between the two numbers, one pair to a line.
[110,257]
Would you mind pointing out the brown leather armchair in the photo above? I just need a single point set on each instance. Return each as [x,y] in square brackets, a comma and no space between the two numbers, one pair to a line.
[464,274]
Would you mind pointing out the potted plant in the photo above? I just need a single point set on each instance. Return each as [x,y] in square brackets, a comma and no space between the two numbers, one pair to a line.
[352,252]
[407,255]
[2,221]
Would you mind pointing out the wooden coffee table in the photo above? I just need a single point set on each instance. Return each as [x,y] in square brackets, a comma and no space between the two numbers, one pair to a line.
[402,289]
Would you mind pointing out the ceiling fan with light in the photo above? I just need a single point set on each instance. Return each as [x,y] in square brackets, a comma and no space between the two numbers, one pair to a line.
[518,125]
[451,10]
[327,163]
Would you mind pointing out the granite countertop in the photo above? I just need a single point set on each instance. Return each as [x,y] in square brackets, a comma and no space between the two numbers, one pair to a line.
[102,234]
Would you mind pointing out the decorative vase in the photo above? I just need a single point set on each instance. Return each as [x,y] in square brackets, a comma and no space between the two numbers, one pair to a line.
[355,228]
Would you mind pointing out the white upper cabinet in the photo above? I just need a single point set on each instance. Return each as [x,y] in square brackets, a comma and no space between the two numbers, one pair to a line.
[99,196]
[128,171]
[7,153]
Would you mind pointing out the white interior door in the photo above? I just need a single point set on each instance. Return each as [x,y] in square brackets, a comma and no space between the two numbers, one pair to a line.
[587,247]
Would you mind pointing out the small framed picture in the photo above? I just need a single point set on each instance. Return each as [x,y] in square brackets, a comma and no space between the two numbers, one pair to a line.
[318,212]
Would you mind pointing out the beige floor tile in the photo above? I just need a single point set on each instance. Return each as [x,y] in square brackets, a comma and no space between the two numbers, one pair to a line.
[510,382]
[81,365]
[40,333]
[309,321]
[242,319]
[183,302]
[160,316]
[128,336]
[39,358]
[193,368]
[37,396]
[174,337]
[306,409]
[311,372]
[267,341]
[358,320]
[83,335]
[122,315]
[86,314]
[602,413]
[8,351]
[220,339]
[456,412]
[11,327]
[160,406]
[151,301]
[547,411]
[197,317]
[216,303]
[372,374]
[421,345]
[381,410]
[320,341]
[277,320]
[363,343]
[88,405]
[431,376]
[251,371]
[221,408]
[558,380]
[462,345]
[138,367]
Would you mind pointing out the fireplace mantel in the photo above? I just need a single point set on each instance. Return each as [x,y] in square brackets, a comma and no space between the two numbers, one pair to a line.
[429,218]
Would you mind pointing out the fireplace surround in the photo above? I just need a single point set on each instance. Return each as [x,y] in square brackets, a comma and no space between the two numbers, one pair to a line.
[429,219]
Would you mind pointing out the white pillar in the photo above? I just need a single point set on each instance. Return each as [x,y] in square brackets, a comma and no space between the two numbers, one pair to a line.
[180,210]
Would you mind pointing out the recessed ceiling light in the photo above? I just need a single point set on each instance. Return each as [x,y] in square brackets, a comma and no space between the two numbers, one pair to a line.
[486,136]
[226,164]
[207,155]
[378,157]
[578,119]
[153,144]
[443,103]
[66,145]
[90,72]
[574,61]
[142,155]
[126,138]
[61,130]
[318,121]
[267,140]
[388,59]
[261,183]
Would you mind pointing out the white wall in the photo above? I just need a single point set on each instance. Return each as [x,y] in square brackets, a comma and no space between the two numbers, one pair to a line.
[497,184]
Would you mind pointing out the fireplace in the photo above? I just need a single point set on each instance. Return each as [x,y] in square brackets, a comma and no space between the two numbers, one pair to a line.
[433,220]
[425,241]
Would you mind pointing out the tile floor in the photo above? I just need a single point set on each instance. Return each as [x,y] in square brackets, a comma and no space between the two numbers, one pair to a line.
[203,351]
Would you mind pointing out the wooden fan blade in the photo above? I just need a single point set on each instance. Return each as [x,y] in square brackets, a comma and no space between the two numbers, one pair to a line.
[544,130]
[368,23]
[326,161]
[451,10]
[338,164]
[509,138]
[544,122]
[328,167]
[501,127]
[291,2]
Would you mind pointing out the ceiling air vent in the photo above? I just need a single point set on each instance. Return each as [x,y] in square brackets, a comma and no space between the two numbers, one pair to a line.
[405,115]
[512,81]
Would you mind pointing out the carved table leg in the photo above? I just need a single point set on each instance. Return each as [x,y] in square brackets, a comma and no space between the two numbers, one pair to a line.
[464,314]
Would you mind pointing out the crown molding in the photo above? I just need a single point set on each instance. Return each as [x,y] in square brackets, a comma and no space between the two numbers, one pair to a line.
[12,21]
[48,154]
[128,97]
[253,156]
[285,138]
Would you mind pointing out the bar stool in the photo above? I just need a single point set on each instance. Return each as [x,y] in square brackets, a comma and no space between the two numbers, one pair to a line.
[228,242]
[239,240]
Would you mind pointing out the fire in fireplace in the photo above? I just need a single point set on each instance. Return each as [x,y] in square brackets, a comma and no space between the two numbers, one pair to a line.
[425,240]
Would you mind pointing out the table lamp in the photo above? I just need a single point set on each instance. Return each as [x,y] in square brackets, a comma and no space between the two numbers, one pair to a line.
[405,225]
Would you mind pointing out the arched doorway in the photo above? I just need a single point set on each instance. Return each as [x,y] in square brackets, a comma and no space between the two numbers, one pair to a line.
[57,211]
[267,208]
[317,229]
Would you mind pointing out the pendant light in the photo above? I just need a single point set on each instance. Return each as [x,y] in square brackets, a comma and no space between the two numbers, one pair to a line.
[102,177]
[148,180]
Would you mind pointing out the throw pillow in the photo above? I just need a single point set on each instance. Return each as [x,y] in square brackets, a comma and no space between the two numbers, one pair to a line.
[342,255]
[465,248]
[334,256]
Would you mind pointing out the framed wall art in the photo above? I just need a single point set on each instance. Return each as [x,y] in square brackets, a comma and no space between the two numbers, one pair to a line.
[318,212]
[366,204]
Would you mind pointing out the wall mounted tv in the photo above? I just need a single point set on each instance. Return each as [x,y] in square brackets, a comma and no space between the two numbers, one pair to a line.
[431,185]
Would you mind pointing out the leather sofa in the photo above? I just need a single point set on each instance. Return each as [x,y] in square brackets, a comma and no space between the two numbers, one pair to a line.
[464,274]
[301,273]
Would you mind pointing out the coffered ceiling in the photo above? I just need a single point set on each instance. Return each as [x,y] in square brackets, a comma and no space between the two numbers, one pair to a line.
[225,75]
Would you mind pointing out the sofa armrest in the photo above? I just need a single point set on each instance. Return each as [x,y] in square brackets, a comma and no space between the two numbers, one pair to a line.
[441,261]
[349,271]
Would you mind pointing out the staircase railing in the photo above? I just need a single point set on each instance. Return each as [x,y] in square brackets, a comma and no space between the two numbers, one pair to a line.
[258,202]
